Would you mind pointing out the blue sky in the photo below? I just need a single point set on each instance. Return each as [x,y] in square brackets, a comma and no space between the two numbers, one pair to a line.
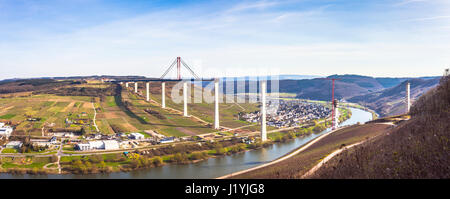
[224,38]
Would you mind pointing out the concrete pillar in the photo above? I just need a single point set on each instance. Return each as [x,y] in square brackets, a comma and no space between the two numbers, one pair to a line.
[163,94]
[263,111]
[135,87]
[185,98]
[126,84]
[408,97]
[148,91]
[216,104]
[336,118]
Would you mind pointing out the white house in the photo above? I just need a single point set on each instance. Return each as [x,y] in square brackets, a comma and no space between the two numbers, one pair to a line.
[136,136]
[98,144]
[5,130]
[110,144]
[14,144]
[167,140]
[64,134]
[82,147]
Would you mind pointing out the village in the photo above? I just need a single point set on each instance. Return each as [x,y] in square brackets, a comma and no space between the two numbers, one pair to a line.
[289,113]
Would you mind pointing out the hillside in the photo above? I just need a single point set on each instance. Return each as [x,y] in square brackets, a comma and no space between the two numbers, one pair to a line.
[301,163]
[418,148]
[391,101]
[33,85]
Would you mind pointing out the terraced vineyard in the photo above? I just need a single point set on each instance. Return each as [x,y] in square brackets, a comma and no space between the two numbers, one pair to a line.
[49,110]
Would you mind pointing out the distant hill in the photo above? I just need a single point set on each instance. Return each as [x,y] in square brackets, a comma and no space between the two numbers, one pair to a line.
[388,82]
[347,87]
[76,77]
[48,83]
[279,77]
[25,85]
[417,148]
[320,89]
[391,101]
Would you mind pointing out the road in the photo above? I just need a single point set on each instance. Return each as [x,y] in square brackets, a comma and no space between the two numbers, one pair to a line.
[95,116]
[326,159]
[330,156]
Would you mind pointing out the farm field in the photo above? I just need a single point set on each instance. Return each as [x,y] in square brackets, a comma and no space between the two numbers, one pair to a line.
[174,123]
[48,110]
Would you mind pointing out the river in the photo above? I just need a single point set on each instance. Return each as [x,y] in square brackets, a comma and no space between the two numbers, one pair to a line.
[213,167]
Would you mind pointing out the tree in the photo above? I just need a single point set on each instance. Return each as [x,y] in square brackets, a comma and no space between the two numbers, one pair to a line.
[53,158]
[88,164]
[102,164]
[179,157]
[96,158]
[197,156]
[219,150]
[157,161]
[83,131]
[134,163]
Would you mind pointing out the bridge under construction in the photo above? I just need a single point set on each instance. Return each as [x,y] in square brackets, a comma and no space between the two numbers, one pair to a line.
[179,63]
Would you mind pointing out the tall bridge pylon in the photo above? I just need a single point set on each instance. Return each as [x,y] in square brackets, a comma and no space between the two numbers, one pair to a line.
[334,104]
[178,61]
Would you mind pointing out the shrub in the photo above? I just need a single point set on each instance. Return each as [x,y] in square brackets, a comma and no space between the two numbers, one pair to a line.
[157,161]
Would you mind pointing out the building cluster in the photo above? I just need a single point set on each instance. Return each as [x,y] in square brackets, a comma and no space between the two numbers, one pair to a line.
[44,142]
[93,141]
[120,141]
[49,143]
[281,113]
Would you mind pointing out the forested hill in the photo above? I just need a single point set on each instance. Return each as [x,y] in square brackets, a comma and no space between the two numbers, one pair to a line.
[417,148]
[346,87]
[391,101]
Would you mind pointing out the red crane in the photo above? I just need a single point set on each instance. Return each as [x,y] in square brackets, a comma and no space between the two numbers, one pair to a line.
[334,103]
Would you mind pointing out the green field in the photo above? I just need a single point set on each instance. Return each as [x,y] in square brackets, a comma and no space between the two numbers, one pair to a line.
[48,108]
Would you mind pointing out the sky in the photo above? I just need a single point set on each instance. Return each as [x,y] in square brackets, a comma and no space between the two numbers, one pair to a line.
[382,38]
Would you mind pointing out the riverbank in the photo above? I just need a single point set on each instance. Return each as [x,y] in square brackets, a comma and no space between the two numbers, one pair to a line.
[296,165]
[119,162]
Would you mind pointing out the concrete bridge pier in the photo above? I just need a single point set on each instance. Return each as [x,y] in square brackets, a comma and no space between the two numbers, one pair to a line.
[216,104]
[185,113]
[336,118]
[148,91]
[263,111]
[163,95]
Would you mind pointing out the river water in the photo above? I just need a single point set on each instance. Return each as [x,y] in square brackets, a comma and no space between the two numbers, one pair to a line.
[213,167]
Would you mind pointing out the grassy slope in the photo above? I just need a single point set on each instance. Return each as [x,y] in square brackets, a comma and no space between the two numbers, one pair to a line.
[175,124]
[296,166]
